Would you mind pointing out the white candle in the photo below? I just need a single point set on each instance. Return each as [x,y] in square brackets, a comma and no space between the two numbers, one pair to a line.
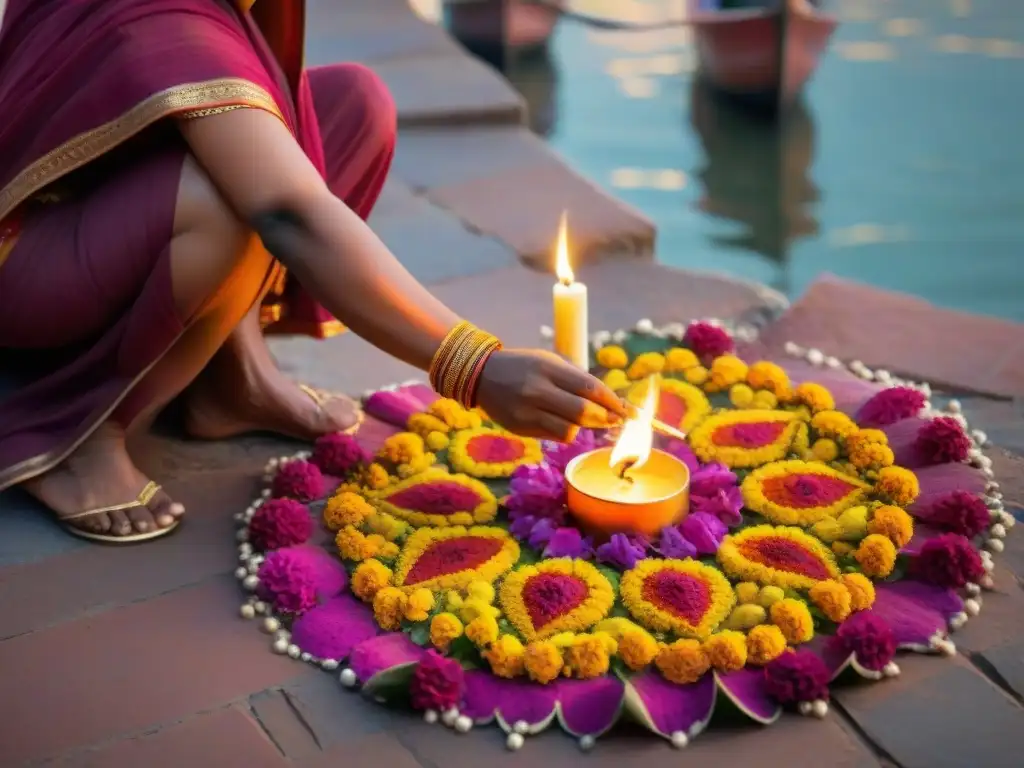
[570,305]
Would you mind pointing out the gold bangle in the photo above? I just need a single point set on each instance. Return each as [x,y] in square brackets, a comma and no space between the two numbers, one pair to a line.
[467,387]
[454,367]
[441,358]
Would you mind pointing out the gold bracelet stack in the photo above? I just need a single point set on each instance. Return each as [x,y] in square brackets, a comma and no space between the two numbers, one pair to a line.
[458,362]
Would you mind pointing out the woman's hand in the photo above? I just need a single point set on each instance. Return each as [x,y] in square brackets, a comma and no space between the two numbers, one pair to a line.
[537,394]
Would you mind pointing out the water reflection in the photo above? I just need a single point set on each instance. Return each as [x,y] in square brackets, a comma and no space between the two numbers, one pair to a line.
[536,78]
[756,173]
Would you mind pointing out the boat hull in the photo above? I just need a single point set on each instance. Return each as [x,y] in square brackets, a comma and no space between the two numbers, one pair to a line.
[501,28]
[764,57]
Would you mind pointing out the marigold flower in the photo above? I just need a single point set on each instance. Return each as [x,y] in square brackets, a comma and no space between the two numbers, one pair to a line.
[765,643]
[418,464]
[897,484]
[825,449]
[853,523]
[833,424]
[842,548]
[588,656]
[425,423]
[746,592]
[481,590]
[814,396]
[444,629]
[419,604]
[612,356]
[727,650]
[764,401]
[682,662]
[741,395]
[506,655]
[637,648]
[346,509]
[402,448]
[437,441]
[833,599]
[353,545]
[769,596]
[876,556]
[794,619]
[369,578]
[893,523]
[483,630]
[388,549]
[386,525]
[744,617]
[647,364]
[866,437]
[454,415]
[870,455]
[389,607]
[679,359]
[543,661]
[616,379]
[377,477]
[696,375]
[767,375]
[472,607]
[726,370]
[862,591]
[453,601]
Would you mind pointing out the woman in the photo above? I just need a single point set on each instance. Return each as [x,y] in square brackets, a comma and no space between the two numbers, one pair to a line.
[153,156]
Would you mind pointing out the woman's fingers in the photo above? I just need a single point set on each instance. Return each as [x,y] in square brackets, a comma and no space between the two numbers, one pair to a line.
[573,408]
[571,379]
[555,427]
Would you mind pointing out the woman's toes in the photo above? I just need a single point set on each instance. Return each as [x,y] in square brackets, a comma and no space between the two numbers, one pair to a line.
[164,505]
[92,523]
[141,519]
[120,525]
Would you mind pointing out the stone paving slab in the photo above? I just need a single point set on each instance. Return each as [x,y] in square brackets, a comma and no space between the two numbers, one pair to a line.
[618,291]
[904,334]
[130,669]
[223,739]
[938,714]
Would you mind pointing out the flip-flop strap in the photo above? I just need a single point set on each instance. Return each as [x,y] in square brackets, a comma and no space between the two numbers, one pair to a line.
[145,496]
[321,397]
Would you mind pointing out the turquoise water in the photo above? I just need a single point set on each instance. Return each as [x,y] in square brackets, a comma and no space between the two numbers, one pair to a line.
[903,168]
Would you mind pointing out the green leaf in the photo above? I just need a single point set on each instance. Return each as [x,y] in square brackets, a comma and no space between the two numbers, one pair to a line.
[612,575]
[465,652]
[420,634]
[528,556]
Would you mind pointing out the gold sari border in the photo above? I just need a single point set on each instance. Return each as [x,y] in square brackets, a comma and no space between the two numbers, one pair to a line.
[86,147]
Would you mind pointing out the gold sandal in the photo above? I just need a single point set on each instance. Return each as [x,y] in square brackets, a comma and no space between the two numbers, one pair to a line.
[145,496]
[321,397]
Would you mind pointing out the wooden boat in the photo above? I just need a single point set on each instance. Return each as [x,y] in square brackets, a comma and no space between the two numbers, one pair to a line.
[761,52]
[499,30]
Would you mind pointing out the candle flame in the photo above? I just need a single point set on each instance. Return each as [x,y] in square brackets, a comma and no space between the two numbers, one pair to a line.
[635,442]
[563,270]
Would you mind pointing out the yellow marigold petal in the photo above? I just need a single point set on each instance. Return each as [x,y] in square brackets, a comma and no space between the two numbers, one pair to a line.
[506,656]
[825,449]
[833,599]
[794,619]
[741,395]
[876,556]
[862,591]
[346,508]
[444,629]
[769,596]
[897,484]
[764,400]
[833,424]
[745,617]
[587,657]
[746,592]
[682,662]
[389,607]
[419,605]
[768,376]
[647,364]
[697,375]
[616,379]
[727,650]
[369,578]
[679,359]
[893,523]
[765,643]
[815,397]
[637,648]
[543,661]
[483,630]
[612,356]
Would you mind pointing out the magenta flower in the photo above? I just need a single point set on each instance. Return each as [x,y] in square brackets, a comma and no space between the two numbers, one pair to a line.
[707,341]
[889,406]
[622,551]
[288,582]
[338,454]
[947,561]
[958,512]
[714,489]
[280,523]
[795,677]
[683,452]
[673,545]
[704,531]
[942,441]
[870,637]
[558,455]
[568,542]
[537,490]
[541,533]
[298,480]
[437,683]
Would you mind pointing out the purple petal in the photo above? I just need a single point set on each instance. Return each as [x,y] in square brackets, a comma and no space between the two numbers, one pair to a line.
[665,707]
[836,657]
[332,630]
[421,392]
[393,407]
[522,700]
[745,689]
[329,576]
[674,545]
[915,611]
[939,480]
[590,707]
[382,653]
[901,436]
[567,542]
[482,695]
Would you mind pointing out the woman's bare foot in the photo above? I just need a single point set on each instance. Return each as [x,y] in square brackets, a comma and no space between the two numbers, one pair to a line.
[100,474]
[242,390]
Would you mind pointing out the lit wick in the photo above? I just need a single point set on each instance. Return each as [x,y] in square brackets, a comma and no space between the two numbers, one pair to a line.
[626,466]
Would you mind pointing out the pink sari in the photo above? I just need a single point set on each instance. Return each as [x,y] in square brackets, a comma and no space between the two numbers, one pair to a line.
[82,81]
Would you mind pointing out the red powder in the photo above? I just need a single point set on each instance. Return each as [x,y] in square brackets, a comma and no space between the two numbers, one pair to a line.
[671,408]
[495,449]
[678,593]
[784,555]
[803,491]
[548,596]
[441,497]
[754,435]
[451,556]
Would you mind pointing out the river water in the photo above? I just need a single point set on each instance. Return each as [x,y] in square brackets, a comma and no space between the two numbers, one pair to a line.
[903,167]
